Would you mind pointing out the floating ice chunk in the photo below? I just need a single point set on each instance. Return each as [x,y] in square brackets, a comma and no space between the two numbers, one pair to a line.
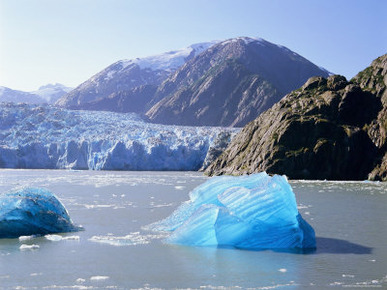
[80,280]
[131,239]
[248,212]
[99,278]
[282,270]
[71,238]
[32,211]
[26,238]
[53,238]
[25,247]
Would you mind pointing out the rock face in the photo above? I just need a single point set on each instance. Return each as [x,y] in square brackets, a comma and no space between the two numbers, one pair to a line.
[327,129]
[32,211]
[374,80]
[223,84]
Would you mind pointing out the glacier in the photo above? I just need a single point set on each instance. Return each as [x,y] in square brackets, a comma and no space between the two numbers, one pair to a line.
[47,137]
[33,211]
[246,212]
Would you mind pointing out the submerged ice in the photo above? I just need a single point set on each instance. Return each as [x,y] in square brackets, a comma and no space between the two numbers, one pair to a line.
[247,212]
[32,211]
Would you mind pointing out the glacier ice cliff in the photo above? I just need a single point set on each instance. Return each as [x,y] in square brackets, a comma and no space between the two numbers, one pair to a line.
[32,211]
[47,137]
[245,212]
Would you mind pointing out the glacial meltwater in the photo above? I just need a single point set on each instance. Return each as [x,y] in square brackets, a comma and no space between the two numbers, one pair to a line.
[115,251]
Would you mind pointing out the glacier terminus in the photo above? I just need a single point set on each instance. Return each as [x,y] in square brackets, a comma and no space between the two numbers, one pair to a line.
[47,137]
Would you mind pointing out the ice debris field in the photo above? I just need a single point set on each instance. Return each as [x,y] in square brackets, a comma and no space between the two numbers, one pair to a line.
[246,212]
[47,137]
[32,211]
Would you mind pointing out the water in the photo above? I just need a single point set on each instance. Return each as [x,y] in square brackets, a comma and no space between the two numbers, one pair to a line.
[350,219]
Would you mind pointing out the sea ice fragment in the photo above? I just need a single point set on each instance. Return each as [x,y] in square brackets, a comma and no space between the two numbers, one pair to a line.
[248,212]
[32,211]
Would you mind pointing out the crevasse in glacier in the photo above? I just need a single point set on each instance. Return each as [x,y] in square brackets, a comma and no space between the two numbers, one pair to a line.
[32,211]
[246,212]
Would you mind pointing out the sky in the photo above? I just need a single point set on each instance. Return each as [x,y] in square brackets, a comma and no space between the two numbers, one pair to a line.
[68,41]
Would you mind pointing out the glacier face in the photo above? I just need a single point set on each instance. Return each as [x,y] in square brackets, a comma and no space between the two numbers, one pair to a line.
[246,212]
[32,211]
[48,137]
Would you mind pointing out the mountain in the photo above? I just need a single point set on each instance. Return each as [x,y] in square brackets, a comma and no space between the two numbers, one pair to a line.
[14,96]
[227,83]
[43,136]
[127,75]
[52,92]
[45,94]
[327,129]
[230,83]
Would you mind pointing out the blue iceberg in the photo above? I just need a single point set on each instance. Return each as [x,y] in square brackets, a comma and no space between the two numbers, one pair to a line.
[246,212]
[32,211]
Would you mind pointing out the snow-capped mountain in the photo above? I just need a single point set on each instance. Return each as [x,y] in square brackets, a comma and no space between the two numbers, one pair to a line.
[231,83]
[45,94]
[15,96]
[52,92]
[126,75]
[33,136]
[227,83]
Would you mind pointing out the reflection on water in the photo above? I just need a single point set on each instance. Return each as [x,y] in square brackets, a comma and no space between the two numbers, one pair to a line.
[114,250]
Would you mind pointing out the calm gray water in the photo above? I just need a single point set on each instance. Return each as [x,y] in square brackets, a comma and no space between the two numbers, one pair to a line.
[350,219]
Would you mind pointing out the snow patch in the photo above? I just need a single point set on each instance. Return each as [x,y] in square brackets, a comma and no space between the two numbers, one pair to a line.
[168,61]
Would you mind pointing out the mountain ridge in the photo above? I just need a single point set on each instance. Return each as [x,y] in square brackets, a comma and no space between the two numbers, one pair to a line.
[228,83]
[48,93]
[125,75]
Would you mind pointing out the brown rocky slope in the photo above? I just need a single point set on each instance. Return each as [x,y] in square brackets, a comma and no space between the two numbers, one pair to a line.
[328,129]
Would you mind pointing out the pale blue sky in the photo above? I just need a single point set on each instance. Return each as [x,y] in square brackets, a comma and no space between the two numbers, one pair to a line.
[68,41]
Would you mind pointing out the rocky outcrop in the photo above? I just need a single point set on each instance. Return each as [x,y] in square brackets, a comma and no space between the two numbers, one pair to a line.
[374,79]
[324,130]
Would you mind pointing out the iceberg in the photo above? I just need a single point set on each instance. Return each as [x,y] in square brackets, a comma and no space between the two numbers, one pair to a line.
[246,212]
[47,137]
[33,211]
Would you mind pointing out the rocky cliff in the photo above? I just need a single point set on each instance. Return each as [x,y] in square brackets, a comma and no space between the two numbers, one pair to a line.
[327,129]
[374,79]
